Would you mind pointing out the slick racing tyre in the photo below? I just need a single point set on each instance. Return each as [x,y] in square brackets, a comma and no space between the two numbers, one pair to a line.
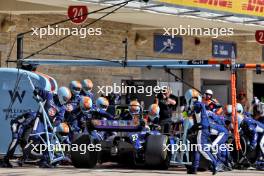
[81,158]
[155,155]
[244,158]
[250,155]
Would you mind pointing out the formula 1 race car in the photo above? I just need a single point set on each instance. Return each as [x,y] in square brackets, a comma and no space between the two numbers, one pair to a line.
[127,143]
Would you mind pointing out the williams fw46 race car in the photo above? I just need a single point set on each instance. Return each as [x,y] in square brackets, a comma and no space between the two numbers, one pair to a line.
[126,142]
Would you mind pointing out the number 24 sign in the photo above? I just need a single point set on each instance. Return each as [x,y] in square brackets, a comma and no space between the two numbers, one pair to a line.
[259,35]
[78,14]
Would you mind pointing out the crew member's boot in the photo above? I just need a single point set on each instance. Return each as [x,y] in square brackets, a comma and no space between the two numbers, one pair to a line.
[6,163]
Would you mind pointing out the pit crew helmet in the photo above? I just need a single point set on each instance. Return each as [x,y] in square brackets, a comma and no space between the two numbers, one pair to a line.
[153,112]
[75,87]
[239,108]
[64,95]
[192,95]
[255,101]
[228,109]
[62,128]
[134,107]
[240,111]
[86,104]
[259,109]
[209,92]
[87,86]
[102,103]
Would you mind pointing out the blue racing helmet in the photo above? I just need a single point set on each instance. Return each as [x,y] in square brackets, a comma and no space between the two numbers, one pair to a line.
[86,104]
[102,103]
[239,108]
[75,87]
[134,107]
[154,111]
[87,86]
[64,95]
[192,95]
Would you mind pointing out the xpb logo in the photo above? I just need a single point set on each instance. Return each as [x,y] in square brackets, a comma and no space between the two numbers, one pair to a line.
[17,95]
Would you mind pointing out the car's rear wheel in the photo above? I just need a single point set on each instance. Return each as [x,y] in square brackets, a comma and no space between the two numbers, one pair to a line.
[156,155]
[81,158]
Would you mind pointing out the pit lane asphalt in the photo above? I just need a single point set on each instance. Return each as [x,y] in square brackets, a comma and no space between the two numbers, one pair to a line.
[110,169]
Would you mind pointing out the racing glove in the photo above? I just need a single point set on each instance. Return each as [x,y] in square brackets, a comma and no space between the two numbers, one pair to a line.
[36,91]
[36,95]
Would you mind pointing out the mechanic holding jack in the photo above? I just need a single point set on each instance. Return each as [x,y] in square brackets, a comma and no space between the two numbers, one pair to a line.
[55,108]
[256,131]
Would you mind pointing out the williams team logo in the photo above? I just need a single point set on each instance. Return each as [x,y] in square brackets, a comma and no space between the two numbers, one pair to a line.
[17,95]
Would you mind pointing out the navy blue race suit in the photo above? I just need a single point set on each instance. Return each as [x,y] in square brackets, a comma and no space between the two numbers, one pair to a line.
[54,110]
[203,124]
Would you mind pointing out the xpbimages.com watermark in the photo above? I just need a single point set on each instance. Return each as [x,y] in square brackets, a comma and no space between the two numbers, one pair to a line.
[194,31]
[58,31]
[126,89]
[182,147]
[82,148]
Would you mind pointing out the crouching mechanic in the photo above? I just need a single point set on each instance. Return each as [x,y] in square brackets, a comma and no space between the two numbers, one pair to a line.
[149,126]
[54,106]
[87,88]
[201,121]
[153,117]
[255,129]
[75,87]
[79,117]
[101,109]
[135,114]
[101,113]
[72,107]
[18,127]
[134,111]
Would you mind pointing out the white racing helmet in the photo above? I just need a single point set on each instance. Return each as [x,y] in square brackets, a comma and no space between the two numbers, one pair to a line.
[239,108]
[87,86]
[154,111]
[134,107]
[209,92]
[86,104]
[229,109]
[191,95]
[64,95]
[75,87]
[102,103]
